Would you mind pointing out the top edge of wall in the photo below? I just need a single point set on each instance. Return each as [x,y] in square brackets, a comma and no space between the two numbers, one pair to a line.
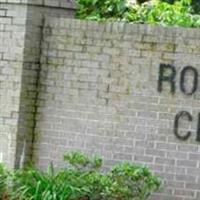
[69,4]
[122,27]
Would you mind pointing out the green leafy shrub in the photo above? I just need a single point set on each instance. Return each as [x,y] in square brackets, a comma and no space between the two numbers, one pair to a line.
[133,182]
[194,3]
[81,180]
[124,181]
[177,14]
[165,12]
[32,184]
[3,182]
[80,161]
[101,9]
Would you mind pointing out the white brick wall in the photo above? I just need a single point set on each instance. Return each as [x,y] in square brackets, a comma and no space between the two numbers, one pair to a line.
[47,3]
[98,94]
[11,50]
[93,87]
[20,38]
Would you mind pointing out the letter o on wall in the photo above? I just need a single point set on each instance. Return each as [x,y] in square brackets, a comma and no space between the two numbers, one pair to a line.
[195,80]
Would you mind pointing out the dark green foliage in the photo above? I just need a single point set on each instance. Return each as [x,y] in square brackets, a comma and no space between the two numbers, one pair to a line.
[4,182]
[141,1]
[101,9]
[168,1]
[81,180]
[163,12]
[196,6]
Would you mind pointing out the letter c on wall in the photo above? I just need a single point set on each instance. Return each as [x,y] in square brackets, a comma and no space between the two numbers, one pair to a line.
[176,124]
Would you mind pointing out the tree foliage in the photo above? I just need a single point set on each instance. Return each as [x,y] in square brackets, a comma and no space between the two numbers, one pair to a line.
[165,12]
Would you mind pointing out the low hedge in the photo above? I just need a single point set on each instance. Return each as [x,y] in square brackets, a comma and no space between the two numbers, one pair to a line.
[81,180]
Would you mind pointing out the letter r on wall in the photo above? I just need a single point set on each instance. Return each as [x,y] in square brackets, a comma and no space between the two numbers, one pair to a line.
[170,77]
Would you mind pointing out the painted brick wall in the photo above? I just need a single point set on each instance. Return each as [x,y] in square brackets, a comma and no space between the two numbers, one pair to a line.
[98,93]
[35,18]
[20,39]
[72,85]
[12,33]
[43,3]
